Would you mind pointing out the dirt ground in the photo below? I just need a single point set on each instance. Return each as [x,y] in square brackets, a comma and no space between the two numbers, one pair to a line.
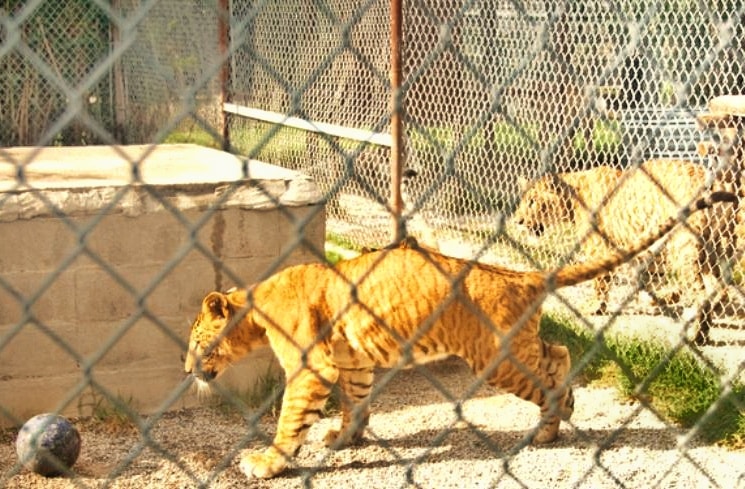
[415,439]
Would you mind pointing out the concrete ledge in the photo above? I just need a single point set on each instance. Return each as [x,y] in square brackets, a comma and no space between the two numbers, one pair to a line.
[135,180]
[99,267]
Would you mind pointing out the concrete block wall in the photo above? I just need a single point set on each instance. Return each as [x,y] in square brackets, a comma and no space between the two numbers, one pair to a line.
[113,288]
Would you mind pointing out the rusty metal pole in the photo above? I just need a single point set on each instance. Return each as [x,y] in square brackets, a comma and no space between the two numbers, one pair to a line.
[397,157]
[223,39]
[118,89]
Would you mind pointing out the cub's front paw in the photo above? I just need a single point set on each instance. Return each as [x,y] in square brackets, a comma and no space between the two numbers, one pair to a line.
[263,465]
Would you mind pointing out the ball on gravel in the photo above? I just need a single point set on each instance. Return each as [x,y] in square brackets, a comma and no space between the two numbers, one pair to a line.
[48,444]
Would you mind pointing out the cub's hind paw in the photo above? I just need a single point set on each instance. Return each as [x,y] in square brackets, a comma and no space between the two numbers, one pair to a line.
[566,408]
[547,432]
[331,440]
[544,437]
[262,465]
[337,440]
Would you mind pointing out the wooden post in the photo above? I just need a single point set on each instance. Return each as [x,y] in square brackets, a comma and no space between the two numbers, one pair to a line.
[397,157]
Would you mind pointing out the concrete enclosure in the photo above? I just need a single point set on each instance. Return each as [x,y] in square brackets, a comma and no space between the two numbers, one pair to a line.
[100,274]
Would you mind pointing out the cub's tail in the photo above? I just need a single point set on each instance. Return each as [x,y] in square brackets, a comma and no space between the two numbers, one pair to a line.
[574,274]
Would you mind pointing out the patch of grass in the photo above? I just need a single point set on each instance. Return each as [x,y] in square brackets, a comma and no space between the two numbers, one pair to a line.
[264,395]
[606,138]
[589,357]
[340,248]
[116,415]
[284,146]
[673,381]
[333,257]
[506,136]
[342,241]
[192,133]
[738,273]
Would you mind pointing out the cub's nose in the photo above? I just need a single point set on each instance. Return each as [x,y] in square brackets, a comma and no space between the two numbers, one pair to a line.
[207,375]
[203,375]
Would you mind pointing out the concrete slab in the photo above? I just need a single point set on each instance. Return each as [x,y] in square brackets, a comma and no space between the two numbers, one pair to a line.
[89,179]
[163,164]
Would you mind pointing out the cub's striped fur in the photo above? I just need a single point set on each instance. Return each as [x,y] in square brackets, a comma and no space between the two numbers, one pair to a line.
[391,308]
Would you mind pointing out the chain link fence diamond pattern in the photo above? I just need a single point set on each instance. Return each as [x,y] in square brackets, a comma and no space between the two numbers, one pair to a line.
[601,112]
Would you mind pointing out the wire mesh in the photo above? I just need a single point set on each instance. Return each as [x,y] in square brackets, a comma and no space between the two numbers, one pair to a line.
[539,135]
[59,45]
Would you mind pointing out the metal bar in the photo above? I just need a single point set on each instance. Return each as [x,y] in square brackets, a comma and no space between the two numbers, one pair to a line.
[223,27]
[398,230]
[378,138]
[118,90]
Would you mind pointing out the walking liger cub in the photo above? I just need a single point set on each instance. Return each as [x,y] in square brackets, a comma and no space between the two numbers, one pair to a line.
[389,308]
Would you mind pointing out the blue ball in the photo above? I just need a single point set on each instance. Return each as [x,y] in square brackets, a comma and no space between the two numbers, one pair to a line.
[48,444]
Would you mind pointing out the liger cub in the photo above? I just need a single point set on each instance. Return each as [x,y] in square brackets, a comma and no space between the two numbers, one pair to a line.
[608,208]
[387,308]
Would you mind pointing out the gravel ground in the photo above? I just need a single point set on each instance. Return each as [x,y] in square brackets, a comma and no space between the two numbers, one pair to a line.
[415,440]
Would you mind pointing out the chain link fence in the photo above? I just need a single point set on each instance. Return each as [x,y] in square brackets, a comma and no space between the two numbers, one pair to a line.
[537,135]
[62,42]
[131,67]
[494,91]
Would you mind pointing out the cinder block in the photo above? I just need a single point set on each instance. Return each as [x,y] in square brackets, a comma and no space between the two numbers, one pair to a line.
[306,235]
[48,296]
[236,233]
[120,239]
[139,344]
[31,352]
[40,244]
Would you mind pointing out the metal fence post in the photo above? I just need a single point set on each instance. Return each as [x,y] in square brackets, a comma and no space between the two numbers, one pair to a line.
[397,157]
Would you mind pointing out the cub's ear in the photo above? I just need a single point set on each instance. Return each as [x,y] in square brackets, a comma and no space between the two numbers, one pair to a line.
[216,304]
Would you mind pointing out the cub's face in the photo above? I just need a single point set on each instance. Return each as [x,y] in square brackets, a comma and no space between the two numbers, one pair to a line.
[209,349]
[541,207]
